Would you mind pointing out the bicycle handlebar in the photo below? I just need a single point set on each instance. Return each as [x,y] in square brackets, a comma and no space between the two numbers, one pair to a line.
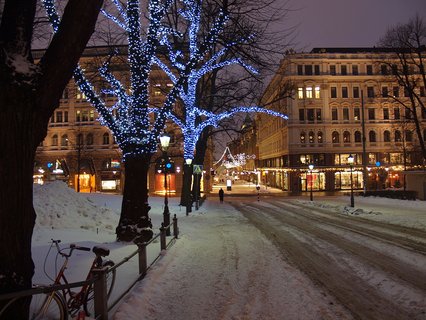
[72,247]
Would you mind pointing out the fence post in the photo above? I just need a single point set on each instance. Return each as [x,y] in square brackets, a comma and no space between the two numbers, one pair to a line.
[142,258]
[175,227]
[100,292]
[162,237]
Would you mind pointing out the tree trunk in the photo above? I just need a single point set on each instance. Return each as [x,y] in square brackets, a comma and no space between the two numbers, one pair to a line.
[185,197]
[17,215]
[134,220]
[200,153]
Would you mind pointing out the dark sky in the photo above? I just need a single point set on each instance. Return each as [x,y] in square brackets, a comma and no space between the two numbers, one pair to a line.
[348,23]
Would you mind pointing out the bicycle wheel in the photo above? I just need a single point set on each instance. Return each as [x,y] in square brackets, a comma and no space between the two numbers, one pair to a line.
[89,303]
[48,307]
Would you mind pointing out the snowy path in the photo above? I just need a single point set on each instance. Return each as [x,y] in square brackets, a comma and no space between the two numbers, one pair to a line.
[376,271]
[224,268]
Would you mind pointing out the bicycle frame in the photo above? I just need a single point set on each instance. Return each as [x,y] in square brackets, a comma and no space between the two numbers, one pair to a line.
[74,300]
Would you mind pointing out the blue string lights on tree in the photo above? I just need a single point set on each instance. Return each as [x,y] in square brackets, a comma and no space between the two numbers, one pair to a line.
[195,119]
[129,119]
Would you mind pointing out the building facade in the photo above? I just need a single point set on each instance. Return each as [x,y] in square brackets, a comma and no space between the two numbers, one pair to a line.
[80,151]
[342,104]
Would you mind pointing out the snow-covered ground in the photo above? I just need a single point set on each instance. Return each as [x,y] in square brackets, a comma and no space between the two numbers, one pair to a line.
[220,268]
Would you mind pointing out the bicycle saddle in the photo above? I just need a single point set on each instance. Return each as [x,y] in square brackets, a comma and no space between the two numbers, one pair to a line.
[100,251]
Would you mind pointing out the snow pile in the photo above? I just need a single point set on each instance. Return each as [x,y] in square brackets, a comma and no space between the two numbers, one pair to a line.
[356,211]
[60,207]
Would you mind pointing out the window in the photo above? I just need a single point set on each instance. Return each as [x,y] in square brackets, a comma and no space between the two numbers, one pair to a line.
[302,137]
[334,116]
[79,139]
[309,92]
[78,116]
[369,69]
[318,115]
[55,140]
[384,69]
[65,116]
[335,137]
[357,114]
[80,95]
[301,114]
[395,92]
[65,94]
[407,113]
[406,92]
[317,92]
[333,92]
[59,116]
[355,70]
[398,136]
[370,92]
[343,70]
[311,137]
[408,136]
[308,70]
[320,137]
[372,136]
[386,136]
[346,114]
[394,69]
[300,93]
[89,139]
[385,92]
[85,115]
[310,114]
[333,70]
[357,136]
[422,92]
[346,137]
[64,140]
[300,70]
[317,70]
[91,115]
[344,92]
[105,138]
[371,114]
[396,114]
[356,92]
[385,114]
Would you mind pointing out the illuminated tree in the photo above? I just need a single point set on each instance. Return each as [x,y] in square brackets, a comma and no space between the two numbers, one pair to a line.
[136,132]
[194,120]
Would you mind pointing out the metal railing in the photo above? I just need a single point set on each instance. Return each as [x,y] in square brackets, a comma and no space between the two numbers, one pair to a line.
[99,280]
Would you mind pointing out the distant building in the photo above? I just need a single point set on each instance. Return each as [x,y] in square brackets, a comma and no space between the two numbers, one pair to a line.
[339,94]
[80,151]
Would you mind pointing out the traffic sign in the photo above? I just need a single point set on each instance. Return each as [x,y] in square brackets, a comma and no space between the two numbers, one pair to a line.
[197,169]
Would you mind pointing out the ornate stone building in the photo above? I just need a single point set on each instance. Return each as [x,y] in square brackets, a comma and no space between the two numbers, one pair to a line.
[341,95]
[82,152]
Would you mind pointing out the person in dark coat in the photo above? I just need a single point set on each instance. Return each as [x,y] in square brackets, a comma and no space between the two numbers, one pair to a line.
[221,194]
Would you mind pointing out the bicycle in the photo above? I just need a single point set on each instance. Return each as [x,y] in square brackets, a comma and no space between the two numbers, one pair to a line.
[57,305]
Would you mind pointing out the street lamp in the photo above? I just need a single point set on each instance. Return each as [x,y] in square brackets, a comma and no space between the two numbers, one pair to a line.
[311,167]
[164,141]
[188,172]
[351,163]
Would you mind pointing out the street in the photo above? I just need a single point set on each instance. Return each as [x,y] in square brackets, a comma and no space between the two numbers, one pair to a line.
[375,270]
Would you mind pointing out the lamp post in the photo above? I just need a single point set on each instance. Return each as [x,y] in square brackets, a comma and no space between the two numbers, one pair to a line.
[351,163]
[311,167]
[188,172]
[164,141]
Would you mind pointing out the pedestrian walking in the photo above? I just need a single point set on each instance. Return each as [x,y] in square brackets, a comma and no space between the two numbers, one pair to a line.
[221,194]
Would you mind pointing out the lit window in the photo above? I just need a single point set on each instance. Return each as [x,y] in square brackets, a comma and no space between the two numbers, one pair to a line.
[302,137]
[309,92]
[317,92]
[300,93]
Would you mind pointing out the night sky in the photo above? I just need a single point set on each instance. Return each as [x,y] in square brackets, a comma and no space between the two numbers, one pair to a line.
[348,23]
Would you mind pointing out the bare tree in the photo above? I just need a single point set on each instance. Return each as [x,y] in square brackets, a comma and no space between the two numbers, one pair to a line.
[29,93]
[406,67]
